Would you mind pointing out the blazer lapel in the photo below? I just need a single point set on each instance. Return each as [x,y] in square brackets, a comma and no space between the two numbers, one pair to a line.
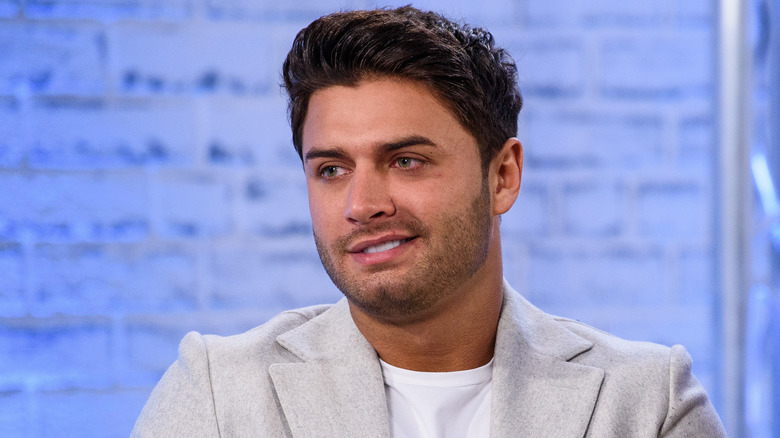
[536,390]
[338,389]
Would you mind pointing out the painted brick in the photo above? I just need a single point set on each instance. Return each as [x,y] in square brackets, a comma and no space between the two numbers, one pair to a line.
[190,145]
[152,340]
[481,14]
[152,343]
[475,13]
[628,14]
[12,299]
[552,13]
[57,350]
[657,66]
[251,132]
[581,277]
[307,10]
[707,375]
[531,213]
[571,140]
[109,9]
[687,326]
[99,279]
[696,282]
[73,206]
[696,12]
[192,204]
[594,208]
[51,59]
[97,136]
[9,8]
[112,412]
[690,326]
[228,322]
[515,264]
[279,38]
[666,325]
[275,204]
[616,13]
[549,67]
[227,58]
[697,144]
[11,151]
[280,279]
[673,210]
[15,416]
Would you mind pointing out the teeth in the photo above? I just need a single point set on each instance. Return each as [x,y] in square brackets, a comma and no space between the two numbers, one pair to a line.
[384,246]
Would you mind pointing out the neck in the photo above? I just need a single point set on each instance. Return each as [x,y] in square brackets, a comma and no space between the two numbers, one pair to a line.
[457,334]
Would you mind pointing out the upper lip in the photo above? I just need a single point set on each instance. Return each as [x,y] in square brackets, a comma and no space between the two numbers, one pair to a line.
[359,246]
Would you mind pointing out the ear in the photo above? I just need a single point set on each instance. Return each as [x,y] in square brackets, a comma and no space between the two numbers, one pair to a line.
[506,171]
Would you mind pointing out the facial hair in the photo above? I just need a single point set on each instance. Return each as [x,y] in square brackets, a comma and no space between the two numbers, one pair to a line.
[453,250]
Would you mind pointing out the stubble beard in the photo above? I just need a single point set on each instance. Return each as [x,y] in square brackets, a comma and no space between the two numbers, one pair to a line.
[449,260]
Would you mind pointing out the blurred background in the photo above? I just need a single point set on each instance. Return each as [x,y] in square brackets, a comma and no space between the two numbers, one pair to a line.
[149,187]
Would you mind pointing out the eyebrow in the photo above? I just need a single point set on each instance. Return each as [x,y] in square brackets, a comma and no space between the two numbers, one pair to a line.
[337,152]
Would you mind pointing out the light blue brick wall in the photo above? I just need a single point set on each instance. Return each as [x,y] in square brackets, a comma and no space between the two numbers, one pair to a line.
[148,185]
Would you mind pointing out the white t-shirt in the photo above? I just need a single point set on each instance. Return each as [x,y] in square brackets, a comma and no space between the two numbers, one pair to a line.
[438,405]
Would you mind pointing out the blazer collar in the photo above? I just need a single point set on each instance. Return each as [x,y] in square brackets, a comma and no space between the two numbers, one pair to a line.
[536,390]
[338,389]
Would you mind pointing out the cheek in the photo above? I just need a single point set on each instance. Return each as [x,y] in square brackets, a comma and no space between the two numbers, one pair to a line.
[318,217]
[315,208]
[324,213]
[442,191]
[455,192]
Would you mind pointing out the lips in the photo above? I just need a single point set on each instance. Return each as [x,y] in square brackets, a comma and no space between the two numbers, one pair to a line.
[385,246]
[381,253]
[382,244]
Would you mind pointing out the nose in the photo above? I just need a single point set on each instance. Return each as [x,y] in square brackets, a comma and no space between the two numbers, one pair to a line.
[368,198]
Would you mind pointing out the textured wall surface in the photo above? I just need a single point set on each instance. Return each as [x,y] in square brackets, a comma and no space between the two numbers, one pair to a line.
[148,185]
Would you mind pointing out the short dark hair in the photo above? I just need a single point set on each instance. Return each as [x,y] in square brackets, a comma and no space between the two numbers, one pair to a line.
[459,64]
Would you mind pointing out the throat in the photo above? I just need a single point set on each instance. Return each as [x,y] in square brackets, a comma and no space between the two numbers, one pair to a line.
[431,345]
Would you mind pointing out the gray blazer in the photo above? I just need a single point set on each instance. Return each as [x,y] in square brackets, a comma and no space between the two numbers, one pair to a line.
[310,373]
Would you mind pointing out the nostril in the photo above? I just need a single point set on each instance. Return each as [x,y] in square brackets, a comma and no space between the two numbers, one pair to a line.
[365,212]
[369,196]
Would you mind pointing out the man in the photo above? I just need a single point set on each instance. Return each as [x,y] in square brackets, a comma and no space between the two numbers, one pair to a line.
[405,123]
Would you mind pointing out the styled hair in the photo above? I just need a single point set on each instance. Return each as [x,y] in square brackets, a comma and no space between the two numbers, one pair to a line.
[459,64]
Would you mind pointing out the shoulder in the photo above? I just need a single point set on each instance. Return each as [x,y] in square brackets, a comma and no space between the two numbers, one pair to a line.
[260,341]
[615,350]
[645,383]
[571,340]
[631,365]
[642,382]
[217,383]
[277,325]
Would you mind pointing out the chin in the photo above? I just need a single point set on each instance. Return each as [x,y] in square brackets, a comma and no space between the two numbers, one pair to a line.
[391,300]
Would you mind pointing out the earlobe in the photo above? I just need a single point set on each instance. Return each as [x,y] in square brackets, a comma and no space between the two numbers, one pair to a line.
[506,174]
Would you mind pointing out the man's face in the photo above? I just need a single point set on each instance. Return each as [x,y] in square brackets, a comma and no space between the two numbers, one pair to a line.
[399,205]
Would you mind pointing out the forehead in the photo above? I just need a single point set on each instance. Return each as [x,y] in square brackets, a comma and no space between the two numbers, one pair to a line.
[377,110]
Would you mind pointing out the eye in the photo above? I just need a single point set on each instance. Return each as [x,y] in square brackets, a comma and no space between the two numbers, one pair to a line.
[331,171]
[407,162]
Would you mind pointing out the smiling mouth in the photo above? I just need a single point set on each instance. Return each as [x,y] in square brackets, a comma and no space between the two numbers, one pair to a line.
[385,246]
